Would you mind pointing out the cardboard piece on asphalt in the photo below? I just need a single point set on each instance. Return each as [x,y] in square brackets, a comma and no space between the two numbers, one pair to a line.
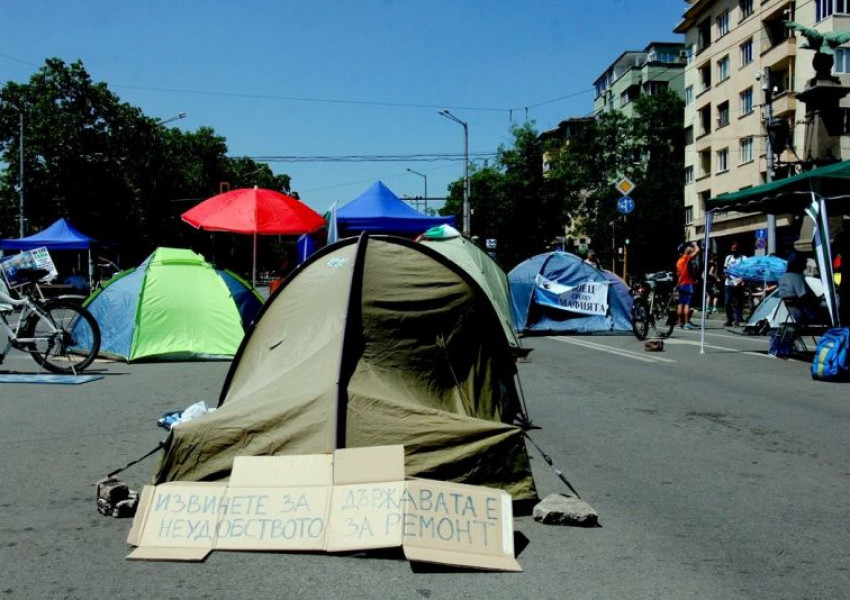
[354,499]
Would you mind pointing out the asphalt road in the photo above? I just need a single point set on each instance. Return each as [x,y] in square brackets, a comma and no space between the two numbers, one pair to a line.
[715,475]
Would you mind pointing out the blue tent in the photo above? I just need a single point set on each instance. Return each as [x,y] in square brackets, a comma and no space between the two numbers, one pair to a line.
[61,235]
[558,292]
[379,210]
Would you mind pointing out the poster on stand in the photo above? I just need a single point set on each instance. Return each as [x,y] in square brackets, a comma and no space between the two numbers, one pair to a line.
[37,258]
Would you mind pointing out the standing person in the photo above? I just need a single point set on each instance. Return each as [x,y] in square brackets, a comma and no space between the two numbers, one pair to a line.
[592,259]
[734,289]
[712,286]
[686,284]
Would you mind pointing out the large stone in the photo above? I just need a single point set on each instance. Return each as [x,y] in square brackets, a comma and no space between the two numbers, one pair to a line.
[562,509]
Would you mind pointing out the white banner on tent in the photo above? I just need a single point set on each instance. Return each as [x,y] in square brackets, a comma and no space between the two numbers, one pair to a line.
[587,297]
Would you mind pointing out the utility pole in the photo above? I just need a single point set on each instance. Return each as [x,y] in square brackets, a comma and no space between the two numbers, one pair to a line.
[768,121]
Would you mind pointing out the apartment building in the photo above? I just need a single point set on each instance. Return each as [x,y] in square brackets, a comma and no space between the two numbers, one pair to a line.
[744,69]
[657,67]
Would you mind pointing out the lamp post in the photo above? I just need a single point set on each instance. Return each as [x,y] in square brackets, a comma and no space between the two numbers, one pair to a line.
[466,212]
[22,219]
[178,116]
[425,177]
[768,121]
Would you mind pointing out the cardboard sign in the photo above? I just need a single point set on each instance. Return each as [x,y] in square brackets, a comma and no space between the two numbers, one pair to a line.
[355,499]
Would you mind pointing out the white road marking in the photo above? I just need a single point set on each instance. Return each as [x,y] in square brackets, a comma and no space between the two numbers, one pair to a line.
[617,351]
[723,348]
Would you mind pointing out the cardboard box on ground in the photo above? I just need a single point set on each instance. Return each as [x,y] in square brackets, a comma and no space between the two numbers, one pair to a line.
[353,499]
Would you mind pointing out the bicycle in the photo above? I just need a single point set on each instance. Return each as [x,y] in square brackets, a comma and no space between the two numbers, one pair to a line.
[654,306]
[60,335]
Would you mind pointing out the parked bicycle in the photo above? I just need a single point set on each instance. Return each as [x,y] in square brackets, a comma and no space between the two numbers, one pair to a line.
[60,335]
[654,306]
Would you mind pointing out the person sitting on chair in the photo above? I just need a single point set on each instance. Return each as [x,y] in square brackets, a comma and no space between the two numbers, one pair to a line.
[802,304]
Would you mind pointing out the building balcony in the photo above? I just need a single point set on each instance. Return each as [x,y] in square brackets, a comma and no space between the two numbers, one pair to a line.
[779,54]
[784,103]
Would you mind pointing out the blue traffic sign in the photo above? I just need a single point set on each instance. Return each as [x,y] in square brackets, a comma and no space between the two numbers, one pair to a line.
[625,205]
[761,234]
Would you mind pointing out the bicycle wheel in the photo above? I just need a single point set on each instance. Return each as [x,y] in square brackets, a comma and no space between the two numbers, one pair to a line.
[68,343]
[663,317]
[640,318]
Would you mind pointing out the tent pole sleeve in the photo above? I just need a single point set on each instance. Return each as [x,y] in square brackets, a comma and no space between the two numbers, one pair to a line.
[709,218]
[352,342]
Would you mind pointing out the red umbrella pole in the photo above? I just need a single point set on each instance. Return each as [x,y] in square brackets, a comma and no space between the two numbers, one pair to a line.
[254,264]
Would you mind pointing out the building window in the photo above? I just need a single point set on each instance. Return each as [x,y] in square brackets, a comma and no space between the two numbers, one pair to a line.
[689,215]
[703,35]
[653,88]
[705,120]
[842,61]
[723,160]
[704,197]
[746,150]
[746,8]
[723,69]
[747,52]
[723,24]
[747,101]
[689,174]
[705,78]
[689,135]
[723,114]
[827,8]
[689,95]
[705,163]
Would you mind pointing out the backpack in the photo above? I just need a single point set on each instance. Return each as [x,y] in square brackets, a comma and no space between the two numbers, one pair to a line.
[830,362]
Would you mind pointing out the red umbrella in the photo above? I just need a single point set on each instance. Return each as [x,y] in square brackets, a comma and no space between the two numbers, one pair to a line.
[255,211]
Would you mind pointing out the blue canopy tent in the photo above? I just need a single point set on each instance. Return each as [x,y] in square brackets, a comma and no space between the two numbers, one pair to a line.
[379,210]
[558,292]
[61,235]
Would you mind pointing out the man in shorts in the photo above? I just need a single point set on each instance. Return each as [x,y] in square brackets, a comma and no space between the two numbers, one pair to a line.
[686,284]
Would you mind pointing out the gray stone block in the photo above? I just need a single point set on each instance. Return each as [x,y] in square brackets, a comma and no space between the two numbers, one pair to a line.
[561,509]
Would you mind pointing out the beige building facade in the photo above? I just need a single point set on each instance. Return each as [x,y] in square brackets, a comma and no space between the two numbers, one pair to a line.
[744,69]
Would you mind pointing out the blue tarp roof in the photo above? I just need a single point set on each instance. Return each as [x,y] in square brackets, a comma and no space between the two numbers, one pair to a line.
[61,235]
[539,283]
[379,210]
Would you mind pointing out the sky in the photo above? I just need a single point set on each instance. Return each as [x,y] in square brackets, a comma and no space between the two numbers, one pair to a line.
[344,78]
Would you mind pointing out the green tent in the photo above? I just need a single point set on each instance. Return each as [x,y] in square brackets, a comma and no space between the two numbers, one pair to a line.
[174,306]
[486,272]
[372,341]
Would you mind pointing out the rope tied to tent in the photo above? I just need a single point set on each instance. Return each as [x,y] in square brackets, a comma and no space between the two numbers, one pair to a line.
[551,464]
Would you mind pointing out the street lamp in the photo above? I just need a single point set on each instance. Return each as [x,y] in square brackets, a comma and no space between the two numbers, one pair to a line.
[445,113]
[425,177]
[23,223]
[178,116]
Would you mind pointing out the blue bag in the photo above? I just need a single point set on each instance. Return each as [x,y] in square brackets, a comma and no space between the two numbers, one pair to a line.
[830,362]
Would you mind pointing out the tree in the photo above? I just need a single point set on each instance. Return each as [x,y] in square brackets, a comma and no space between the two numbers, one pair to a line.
[511,201]
[647,149]
[118,175]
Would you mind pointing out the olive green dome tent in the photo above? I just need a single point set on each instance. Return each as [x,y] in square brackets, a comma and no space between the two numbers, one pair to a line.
[372,341]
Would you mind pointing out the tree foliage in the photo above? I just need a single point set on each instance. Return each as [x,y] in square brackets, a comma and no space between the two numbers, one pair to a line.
[118,175]
[525,209]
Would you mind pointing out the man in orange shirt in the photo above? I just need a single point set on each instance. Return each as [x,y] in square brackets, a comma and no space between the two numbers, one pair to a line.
[686,284]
